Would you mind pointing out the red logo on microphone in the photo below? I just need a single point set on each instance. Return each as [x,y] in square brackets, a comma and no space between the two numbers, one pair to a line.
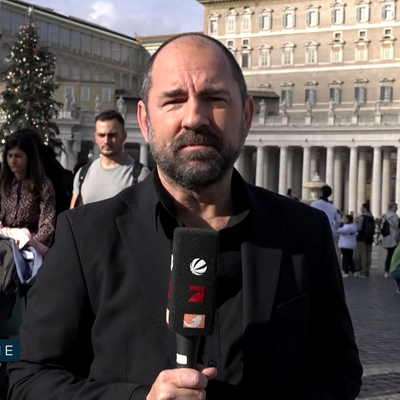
[200,295]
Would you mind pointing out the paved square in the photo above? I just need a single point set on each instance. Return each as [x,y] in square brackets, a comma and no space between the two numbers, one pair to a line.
[375,309]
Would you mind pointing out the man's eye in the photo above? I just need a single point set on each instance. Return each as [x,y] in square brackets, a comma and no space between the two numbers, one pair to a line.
[175,101]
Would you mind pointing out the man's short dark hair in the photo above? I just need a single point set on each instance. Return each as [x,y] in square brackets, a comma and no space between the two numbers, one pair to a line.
[109,115]
[236,70]
[326,191]
[366,206]
[349,218]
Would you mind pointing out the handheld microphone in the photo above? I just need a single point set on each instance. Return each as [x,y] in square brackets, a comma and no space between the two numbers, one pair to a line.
[192,294]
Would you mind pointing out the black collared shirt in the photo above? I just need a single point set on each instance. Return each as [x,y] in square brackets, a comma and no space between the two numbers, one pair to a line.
[223,349]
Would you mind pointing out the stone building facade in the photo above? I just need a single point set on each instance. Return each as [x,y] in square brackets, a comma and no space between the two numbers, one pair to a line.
[335,65]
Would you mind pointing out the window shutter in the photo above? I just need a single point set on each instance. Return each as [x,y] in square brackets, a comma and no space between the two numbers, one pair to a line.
[308,18]
[365,94]
[340,96]
[314,96]
[284,20]
[260,22]
[294,19]
[318,18]
[356,93]
[331,94]
[269,21]
[307,93]
[369,13]
[358,14]
[343,15]
[333,16]
[394,11]
[391,93]
[383,11]
[382,93]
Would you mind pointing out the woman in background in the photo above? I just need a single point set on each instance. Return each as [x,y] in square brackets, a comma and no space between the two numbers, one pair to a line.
[27,195]
[347,244]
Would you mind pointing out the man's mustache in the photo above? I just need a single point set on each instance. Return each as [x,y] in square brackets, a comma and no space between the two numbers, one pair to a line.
[192,138]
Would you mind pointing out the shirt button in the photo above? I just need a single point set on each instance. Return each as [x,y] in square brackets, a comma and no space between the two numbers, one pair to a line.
[212,364]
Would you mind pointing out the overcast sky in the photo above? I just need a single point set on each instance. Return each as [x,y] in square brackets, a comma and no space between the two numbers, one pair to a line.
[146,17]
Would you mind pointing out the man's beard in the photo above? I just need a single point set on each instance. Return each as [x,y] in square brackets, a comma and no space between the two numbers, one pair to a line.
[197,169]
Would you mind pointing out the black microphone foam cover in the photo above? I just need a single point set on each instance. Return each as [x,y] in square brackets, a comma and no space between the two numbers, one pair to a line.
[192,294]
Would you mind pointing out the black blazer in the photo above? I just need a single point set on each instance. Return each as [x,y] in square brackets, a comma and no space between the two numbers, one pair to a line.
[95,326]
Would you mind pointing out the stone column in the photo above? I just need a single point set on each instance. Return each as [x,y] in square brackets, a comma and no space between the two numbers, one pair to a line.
[376,182]
[266,166]
[362,178]
[290,157]
[353,181]
[322,164]
[144,154]
[260,166]
[385,181]
[329,166]
[314,162]
[283,170]
[398,177]
[337,179]
[297,166]
[305,193]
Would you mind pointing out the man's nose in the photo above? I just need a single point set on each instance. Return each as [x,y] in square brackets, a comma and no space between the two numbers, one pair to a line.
[195,114]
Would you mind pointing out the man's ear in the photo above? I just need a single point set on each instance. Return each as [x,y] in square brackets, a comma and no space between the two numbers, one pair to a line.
[142,119]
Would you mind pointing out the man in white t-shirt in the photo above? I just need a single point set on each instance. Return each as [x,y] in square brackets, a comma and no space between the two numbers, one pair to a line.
[114,171]
[335,219]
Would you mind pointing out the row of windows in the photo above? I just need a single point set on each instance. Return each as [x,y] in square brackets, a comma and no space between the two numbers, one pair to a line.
[335,93]
[311,53]
[312,19]
[85,94]
[70,69]
[74,40]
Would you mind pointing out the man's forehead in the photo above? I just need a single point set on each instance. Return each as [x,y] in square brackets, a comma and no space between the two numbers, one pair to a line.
[177,64]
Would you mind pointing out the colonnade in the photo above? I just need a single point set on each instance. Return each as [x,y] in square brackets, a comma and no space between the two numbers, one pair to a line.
[356,174]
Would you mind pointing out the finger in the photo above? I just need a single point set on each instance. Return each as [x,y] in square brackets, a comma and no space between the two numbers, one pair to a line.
[210,372]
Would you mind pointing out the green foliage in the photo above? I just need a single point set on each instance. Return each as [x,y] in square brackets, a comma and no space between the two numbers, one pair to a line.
[28,100]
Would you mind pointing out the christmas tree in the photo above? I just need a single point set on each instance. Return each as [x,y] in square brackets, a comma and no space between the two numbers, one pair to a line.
[28,100]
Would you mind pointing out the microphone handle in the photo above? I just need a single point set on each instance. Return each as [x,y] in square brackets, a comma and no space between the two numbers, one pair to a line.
[187,351]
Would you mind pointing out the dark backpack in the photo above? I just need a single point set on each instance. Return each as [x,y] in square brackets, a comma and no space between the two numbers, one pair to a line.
[136,170]
[368,228]
[385,230]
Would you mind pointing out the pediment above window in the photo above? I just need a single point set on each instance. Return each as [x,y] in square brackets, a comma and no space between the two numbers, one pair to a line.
[388,38]
[214,15]
[335,82]
[362,41]
[387,80]
[265,47]
[247,11]
[338,41]
[361,80]
[231,13]
[287,85]
[310,83]
[313,7]
[288,45]
[265,85]
[266,11]
[289,9]
[312,43]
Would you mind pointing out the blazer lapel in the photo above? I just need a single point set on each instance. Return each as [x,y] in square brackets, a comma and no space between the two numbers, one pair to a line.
[261,263]
[153,268]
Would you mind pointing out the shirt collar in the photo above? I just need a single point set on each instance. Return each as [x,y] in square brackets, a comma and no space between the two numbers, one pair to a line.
[242,204]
